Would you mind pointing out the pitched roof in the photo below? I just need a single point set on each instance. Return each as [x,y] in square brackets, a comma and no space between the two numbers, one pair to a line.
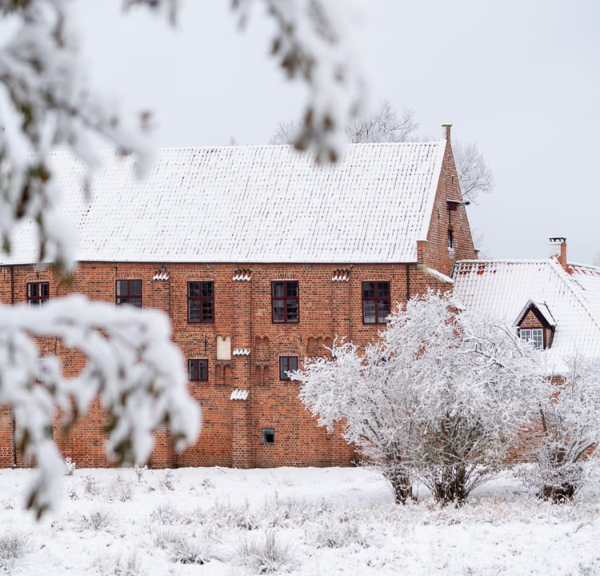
[252,204]
[502,288]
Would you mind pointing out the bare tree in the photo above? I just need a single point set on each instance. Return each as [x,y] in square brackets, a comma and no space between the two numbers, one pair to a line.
[384,126]
[596,260]
[474,175]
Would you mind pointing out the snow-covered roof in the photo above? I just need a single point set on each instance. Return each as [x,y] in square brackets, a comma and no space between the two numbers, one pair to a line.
[252,204]
[502,288]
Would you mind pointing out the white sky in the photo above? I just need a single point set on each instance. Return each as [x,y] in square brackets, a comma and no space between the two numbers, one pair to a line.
[518,77]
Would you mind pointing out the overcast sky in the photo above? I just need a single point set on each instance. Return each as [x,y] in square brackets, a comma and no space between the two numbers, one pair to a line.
[519,77]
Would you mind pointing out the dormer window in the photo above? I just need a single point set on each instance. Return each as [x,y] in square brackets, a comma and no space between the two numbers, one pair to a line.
[536,325]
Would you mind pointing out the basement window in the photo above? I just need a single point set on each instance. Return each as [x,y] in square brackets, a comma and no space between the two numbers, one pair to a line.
[376,302]
[37,293]
[287,364]
[198,370]
[268,436]
[129,292]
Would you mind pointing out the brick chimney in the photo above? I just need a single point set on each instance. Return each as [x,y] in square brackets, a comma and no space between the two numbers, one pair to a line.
[446,129]
[558,250]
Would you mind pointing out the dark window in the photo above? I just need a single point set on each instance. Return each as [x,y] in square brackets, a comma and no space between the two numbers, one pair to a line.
[129,292]
[450,239]
[268,436]
[285,302]
[376,302]
[287,364]
[37,293]
[198,370]
[201,302]
[533,335]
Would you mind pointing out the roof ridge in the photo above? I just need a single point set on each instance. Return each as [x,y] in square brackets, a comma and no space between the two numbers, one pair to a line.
[259,146]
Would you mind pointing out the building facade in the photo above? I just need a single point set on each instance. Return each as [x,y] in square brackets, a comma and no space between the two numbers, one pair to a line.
[261,260]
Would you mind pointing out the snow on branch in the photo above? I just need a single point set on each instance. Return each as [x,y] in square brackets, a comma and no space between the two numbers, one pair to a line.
[129,362]
[315,41]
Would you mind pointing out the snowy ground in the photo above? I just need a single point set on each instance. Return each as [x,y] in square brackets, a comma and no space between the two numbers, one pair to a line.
[216,521]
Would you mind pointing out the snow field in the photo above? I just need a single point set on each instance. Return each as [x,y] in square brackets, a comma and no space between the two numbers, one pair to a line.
[307,521]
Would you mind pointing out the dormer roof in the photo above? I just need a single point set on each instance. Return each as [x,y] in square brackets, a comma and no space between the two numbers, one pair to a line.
[541,312]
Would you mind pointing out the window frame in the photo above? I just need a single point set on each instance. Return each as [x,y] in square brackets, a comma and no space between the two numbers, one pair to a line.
[128,297]
[531,337]
[201,300]
[263,435]
[199,362]
[376,299]
[39,299]
[285,299]
[282,373]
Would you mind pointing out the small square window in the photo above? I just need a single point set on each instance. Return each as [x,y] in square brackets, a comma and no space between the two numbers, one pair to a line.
[284,298]
[268,436]
[376,302]
[129,292]
[198,370]
[37,293]
[201,302]
[287,364]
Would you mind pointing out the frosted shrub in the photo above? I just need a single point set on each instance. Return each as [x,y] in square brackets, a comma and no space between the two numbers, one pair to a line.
[437,399]
[13,546]
[120,565]
[165,514]
[69,467]
[122,489]
[96,520]
[190,551]
[140,471]
[166,481]
[567,432]
[90,485]
[340,535]
[265,556]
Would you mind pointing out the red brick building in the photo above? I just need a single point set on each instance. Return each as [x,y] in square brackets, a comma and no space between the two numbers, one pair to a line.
[260,259]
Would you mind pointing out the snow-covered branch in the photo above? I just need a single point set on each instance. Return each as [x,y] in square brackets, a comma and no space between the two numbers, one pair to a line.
[129,362]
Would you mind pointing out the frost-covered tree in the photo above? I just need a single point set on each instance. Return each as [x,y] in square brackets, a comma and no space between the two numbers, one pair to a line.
[440,398]
[567,431]
[45,104]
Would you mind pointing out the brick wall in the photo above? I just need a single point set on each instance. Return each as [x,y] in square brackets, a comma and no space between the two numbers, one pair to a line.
[231,434]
